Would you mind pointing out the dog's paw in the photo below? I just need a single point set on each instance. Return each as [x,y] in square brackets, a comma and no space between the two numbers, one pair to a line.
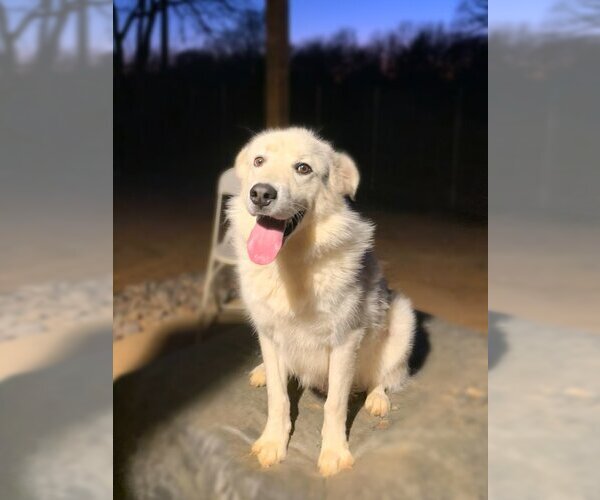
[258,376]
[268,451]
[333,460]
[377,404]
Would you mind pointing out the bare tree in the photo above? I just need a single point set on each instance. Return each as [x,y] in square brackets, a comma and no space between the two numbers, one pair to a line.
[148,18]
[48,52]
[246,37]
[44,22]
[51,17]
[472,15]
[7,41]
[164,34]
[579,15]
[206,16]
[81,11]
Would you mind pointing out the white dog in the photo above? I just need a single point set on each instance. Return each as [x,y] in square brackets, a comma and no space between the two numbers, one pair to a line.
[313,288]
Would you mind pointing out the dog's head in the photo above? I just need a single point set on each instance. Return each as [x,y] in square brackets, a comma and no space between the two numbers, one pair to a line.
[287,174]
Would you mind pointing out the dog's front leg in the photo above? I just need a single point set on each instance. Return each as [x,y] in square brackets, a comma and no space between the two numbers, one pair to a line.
[271,447]
[335,454]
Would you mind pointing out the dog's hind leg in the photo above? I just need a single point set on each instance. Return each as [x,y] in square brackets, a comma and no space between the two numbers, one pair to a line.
[258,376]
[377,402]
[393,358]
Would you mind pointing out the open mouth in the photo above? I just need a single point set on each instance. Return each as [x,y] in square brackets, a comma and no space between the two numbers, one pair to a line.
[268,236]
[289,225]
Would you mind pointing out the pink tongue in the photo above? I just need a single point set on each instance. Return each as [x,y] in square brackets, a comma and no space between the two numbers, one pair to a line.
[265,241]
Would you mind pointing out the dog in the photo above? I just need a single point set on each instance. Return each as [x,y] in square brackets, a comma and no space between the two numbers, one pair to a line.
[313,289]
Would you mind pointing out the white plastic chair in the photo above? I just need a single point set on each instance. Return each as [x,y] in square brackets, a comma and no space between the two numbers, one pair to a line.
[222,252]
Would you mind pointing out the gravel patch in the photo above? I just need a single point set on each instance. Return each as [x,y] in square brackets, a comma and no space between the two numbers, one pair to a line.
[41,308]
[153,304]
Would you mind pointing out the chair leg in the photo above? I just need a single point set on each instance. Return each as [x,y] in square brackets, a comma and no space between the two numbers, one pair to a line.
[207,291]
[217,269]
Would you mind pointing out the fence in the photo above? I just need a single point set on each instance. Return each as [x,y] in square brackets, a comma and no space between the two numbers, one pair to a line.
[417,148]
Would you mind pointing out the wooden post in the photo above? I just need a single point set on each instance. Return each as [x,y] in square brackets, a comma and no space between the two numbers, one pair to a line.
[277,78]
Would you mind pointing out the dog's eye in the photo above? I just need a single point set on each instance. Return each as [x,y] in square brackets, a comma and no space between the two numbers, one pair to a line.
[303,168]
[258,161]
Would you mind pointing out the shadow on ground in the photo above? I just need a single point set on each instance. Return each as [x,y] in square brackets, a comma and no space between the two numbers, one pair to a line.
[55,426]
[497,341]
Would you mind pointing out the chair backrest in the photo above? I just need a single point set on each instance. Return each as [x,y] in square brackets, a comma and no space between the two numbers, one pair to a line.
[229,184]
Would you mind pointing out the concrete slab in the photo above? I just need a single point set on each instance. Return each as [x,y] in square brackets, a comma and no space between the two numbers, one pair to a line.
[184,425]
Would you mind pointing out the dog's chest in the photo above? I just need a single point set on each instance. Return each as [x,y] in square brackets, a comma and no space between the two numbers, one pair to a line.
[298,313]
[306,294]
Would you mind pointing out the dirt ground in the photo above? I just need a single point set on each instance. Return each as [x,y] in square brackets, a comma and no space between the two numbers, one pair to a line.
[438,261]
[545,270]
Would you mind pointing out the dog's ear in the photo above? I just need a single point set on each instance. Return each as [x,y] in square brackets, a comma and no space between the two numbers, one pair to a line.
[346,176]
[241,162]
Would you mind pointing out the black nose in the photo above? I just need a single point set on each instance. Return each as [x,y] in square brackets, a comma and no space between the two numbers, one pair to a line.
[262,194]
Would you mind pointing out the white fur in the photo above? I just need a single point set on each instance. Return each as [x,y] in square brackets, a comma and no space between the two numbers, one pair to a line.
[322,309]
